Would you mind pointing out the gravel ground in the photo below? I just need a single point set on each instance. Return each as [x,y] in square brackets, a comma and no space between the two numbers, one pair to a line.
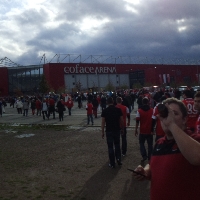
[50,163]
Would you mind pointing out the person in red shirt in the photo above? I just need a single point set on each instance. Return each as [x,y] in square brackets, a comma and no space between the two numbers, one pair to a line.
[51,107]
[95,106]
[175,162]
[192,112]
[69,105]
[126,114]
[89,108]
[156,121]
[197,107]
[38,105]
[143,117]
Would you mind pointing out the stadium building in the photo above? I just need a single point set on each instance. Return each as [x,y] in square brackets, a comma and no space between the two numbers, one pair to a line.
[93,75]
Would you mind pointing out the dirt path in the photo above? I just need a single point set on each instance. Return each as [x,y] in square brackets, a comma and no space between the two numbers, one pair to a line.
[69,164]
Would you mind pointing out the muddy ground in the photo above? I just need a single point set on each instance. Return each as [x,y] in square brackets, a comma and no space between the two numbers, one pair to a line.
[67,164]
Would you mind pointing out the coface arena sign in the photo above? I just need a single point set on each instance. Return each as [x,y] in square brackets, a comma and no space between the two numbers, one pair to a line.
[89,70]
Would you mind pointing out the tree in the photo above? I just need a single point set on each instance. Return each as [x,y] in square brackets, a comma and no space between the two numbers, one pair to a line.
[61,89]
[109,86]
[43,85]
[18,92]
[78,85]
[124,87]
[148,84]
[137,85]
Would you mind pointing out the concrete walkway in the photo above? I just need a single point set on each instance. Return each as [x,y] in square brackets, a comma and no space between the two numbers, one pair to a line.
[78,117]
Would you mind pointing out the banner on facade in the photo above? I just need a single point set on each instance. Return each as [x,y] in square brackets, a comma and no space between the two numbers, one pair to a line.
[164,78]
[168,78]
[160,79]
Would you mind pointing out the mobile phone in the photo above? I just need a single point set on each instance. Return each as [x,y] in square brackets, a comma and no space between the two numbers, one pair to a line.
[136,172]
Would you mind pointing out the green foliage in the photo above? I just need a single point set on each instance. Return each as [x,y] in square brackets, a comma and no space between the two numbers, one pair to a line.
[148,84]
[109,87]
[43,85]
[137,86]
[78,85]
[61,90]
[124,87]
[18,92]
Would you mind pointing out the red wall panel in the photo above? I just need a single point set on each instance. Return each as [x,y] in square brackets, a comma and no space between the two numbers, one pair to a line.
[4,81]
[54,72]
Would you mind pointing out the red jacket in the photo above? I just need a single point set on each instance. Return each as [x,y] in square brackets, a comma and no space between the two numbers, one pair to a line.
[69,103]
[38,105]
[89,108]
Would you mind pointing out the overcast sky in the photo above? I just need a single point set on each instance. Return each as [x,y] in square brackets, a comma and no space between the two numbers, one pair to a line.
[158,29]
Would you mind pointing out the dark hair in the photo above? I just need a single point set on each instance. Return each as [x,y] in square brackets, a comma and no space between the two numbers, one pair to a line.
[181,105]
[197,94]
[110,100]
[187,93]
[145,101]
[119,100]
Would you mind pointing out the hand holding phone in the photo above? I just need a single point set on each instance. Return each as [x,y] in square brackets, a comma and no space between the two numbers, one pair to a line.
[136,172]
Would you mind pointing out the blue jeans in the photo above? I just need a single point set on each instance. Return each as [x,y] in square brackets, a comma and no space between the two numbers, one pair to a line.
[25,112]
[90,117]
[69,109]
[149,139]
[113,138]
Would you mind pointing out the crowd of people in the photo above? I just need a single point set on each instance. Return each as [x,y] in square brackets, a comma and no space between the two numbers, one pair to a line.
[41,106]
[174,160]
[173,117]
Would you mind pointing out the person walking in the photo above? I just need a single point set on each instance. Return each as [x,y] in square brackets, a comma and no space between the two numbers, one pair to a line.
[19,106]
[79,99]
[103,102]
[60,108]
[144,118]
[126,114]
[4,104]
[25,107]
[38,105]
[44,107]
[69,105]
[112,118]
[33,106]
[89,108]
[51,107]
[95,106]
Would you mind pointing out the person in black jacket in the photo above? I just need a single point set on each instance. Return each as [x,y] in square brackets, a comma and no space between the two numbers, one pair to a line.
[79,99]
[112,119]
[103,102]
[60,106]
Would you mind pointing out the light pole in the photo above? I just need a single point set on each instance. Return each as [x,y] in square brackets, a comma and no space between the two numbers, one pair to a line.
[197,74]
[155,75]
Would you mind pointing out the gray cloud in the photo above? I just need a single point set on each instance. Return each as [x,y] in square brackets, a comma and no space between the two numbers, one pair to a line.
[158,29]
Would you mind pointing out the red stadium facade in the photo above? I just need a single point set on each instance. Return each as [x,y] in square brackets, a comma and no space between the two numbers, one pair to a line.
[90,75]
[4,88]
[67,74]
